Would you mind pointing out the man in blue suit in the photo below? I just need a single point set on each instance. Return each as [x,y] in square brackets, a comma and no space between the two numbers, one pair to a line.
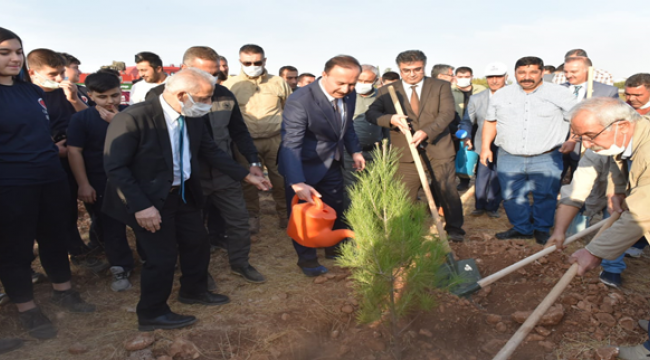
[316,129]
[576,70]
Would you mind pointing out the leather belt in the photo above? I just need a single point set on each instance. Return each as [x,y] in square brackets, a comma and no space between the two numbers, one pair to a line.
[545,152]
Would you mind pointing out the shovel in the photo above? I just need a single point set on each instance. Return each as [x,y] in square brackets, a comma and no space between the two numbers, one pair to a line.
[471,288]
[541,309]
[467,269]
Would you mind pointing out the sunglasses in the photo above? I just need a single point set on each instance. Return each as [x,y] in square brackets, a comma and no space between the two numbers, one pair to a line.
[249,63]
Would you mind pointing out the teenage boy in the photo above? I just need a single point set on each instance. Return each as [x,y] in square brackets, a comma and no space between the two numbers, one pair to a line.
[86,135]
[47,70]
[72,73]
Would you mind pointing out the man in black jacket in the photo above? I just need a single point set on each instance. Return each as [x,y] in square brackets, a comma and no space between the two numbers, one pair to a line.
[151,160]
[226,199]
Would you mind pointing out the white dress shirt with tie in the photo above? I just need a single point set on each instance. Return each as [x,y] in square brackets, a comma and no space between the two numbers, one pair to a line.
[339,102]
[582,90]
[409,92]
[173,128]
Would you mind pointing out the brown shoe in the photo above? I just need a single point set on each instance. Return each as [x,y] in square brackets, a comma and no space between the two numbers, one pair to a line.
[283,223]
[254,223]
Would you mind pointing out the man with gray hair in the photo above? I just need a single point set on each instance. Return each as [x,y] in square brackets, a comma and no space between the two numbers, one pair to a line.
[611,128]
[600,75]
[227,215]
[151,160]
[369,134]
[429,108]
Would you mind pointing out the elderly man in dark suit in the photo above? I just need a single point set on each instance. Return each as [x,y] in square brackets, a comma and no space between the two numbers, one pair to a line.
[316,129]
[151,159]
[430,108]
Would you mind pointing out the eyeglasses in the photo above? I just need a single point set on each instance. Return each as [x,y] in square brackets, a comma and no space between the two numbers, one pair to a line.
[249,63]
[591,139]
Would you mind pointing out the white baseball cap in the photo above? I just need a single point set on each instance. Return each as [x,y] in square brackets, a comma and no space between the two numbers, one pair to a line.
[496,69]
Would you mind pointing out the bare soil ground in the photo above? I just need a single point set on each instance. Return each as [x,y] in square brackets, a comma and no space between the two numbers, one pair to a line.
[293,317]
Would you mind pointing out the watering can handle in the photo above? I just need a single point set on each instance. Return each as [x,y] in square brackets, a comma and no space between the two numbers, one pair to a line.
[317,201]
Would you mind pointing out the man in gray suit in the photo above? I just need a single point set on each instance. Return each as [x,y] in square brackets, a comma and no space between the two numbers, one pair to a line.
[576,70]
[488,190]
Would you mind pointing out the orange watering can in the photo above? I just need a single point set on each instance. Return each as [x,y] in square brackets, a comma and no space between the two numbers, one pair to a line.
[311,225]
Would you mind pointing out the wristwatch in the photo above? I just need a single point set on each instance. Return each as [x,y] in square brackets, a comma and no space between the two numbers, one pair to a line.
[258,164]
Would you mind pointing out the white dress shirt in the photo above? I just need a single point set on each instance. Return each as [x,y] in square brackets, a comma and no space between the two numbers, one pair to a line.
[139,91]
[173,128]
[409,91]
[330,98]
[582,92]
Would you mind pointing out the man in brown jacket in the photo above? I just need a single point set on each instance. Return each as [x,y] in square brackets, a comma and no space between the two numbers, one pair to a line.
[612,128]
[429,107]
[261,98]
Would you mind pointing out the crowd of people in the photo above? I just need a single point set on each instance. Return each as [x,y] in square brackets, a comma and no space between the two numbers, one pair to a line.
[183,164]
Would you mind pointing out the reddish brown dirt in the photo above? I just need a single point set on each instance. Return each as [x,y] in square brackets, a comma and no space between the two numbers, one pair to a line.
[291,317]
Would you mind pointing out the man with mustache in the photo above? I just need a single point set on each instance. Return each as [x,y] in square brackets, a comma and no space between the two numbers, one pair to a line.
[530,122]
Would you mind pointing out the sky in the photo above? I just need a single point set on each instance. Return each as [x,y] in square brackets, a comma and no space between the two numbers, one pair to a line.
[307,33]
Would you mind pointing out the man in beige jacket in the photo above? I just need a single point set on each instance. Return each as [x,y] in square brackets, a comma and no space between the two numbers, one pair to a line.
[610,127]
[261,98]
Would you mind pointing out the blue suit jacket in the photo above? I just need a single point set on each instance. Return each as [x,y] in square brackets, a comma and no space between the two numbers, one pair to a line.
[601,90]
[312,134]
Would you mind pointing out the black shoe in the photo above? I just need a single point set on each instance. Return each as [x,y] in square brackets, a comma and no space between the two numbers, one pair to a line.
[512,234]
[71,301]
[37,324]
[249,273]
[477,212]
[91,261]
[167,322]
[456,236]
[610,279]
[463,186]
[7,345]
[493,214]
[541,237]
[207,298]
[212,285]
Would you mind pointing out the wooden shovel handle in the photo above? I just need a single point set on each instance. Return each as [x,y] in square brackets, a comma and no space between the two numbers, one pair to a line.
[540,254]
[423,177]
[541,309]
[534,318]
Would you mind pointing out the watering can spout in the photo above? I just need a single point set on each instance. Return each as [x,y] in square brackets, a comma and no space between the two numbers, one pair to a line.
[332,237]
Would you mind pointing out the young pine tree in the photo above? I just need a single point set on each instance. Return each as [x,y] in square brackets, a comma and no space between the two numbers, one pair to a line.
[395,264]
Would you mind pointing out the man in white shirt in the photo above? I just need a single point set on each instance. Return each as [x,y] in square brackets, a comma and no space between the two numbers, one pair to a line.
[151,72]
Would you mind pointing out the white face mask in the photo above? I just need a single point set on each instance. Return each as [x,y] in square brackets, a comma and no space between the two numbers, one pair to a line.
[47,83]
[614,149]
[463,82]
[194,109]
[645,106]
[253,71]
[363,88]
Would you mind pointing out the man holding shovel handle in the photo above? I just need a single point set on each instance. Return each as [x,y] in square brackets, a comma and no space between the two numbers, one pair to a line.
[611,128]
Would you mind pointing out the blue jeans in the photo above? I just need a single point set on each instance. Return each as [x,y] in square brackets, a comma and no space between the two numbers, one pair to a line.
[488,190]
[617,266]
[539,175]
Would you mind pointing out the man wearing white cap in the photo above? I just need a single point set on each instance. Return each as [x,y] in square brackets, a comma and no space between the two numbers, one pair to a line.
[488,191]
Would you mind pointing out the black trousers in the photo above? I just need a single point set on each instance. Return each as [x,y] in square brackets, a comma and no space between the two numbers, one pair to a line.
[110,230]
[216,225]
[28,213]
[181,235]
[74,243]
[331,188]
[227,197]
